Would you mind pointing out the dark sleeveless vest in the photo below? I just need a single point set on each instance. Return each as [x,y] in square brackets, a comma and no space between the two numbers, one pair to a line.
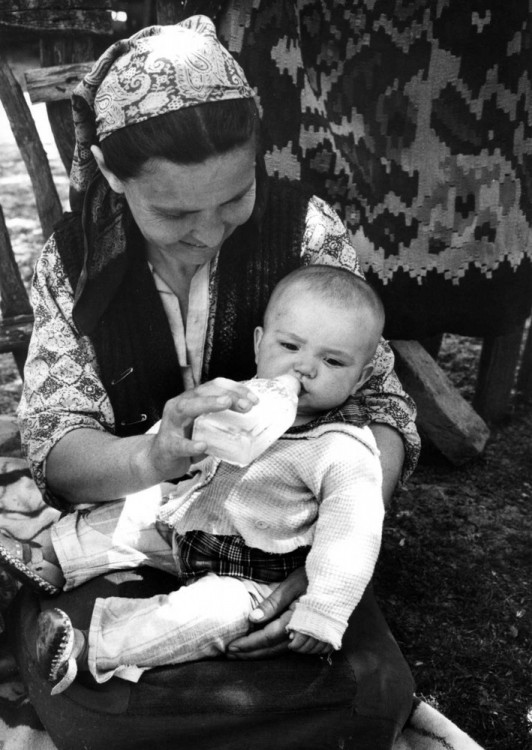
[134,347]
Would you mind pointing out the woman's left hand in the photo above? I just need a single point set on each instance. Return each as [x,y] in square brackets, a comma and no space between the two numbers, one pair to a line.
[271,617]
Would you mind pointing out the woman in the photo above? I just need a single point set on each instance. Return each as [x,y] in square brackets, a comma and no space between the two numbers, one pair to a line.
[145,301]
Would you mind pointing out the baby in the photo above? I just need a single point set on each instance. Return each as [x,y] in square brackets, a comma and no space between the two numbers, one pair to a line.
[231,533]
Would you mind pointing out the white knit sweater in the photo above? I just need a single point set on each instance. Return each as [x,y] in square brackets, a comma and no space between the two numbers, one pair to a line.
[321,488]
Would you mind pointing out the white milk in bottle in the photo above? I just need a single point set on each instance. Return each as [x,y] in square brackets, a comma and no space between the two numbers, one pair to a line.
[239,438]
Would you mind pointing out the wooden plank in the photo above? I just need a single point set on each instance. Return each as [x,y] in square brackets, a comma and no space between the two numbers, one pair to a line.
[58,20]
[32,151]
[496,375]
[55,83]
[444,416]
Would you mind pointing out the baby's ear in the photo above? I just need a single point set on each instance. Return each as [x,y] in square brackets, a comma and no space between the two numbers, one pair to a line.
[257,338]
[365,375]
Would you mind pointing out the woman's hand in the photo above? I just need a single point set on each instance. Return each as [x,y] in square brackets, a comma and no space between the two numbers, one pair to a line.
[172,446]
[89,465]
[272,618]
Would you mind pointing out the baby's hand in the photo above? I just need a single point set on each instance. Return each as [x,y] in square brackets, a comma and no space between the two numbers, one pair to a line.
[306,644]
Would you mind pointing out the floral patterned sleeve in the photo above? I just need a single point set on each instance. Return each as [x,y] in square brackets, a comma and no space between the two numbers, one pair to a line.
[62,390]
[326,241]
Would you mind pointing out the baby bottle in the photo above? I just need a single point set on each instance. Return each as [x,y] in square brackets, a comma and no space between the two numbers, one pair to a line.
[240,438]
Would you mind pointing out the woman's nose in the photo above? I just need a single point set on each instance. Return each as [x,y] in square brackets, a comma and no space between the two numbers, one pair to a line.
[209,229]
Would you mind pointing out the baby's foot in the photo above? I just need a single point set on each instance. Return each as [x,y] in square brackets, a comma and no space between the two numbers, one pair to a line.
[61,649]
[26,562]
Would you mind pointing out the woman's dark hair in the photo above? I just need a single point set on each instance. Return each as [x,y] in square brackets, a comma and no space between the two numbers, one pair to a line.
[186,136]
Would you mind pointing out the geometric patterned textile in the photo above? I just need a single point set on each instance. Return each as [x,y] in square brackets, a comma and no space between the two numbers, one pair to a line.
[414,120]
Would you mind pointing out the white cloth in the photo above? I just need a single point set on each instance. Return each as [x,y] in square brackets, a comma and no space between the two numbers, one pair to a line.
[189,339]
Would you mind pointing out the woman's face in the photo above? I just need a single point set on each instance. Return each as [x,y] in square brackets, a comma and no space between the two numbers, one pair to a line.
[188,211]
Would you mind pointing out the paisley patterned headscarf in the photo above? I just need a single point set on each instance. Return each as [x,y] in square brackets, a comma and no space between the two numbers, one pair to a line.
[158,70]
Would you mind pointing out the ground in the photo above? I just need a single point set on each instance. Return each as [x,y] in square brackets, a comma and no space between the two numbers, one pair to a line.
[455,569]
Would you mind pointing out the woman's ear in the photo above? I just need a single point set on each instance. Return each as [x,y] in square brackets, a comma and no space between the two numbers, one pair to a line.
[114,183]
[257,338]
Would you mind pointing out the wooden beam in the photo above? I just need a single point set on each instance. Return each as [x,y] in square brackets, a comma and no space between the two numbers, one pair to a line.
[58,20]
[496,375]
[31,149]
[444,417]
[55,83]
[22,5]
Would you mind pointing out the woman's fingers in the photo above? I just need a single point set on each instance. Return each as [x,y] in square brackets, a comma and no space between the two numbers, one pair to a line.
[271,640]
[172,443]
[283,596]
[273,613]
[216,395]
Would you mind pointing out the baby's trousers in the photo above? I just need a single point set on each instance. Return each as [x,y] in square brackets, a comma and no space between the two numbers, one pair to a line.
[127,636]
[384,682]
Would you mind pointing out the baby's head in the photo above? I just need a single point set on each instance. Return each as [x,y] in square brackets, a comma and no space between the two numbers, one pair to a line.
[322,324]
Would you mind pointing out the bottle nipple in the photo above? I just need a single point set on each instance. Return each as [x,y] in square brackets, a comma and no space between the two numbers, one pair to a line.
[290,382]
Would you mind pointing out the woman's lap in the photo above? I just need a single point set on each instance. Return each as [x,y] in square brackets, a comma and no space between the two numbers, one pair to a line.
[292,702]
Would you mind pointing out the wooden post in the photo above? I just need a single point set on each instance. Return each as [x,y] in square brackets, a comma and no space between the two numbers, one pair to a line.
[169,11]
[31,148]
[444,416]
[14,303]
[59,51]
[496,375]
[68,31]
[524,380]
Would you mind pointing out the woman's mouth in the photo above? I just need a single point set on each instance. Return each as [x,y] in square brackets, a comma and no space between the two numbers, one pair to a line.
[194,245]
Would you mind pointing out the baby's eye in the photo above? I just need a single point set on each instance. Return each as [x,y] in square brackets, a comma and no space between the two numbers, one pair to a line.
[334,362]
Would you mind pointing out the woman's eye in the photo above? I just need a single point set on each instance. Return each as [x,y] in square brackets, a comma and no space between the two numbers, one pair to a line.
[289,346]
[173,217]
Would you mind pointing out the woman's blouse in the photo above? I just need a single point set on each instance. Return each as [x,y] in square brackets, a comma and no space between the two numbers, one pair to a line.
[63,390]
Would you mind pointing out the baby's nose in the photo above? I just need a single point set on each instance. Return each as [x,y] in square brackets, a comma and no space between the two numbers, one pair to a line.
[306,367]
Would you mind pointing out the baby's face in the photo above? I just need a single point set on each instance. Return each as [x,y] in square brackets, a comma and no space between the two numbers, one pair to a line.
[318,341]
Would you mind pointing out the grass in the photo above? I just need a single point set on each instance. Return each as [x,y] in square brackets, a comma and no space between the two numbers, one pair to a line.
[454,583]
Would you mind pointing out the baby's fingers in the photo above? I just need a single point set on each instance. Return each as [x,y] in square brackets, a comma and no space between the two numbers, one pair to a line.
[306,644]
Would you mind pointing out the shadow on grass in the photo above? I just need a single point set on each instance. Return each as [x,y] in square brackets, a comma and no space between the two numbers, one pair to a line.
[454,581]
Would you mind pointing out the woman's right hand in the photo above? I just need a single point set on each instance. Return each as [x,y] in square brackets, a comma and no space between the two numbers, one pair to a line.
[88,465]
[172,446]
